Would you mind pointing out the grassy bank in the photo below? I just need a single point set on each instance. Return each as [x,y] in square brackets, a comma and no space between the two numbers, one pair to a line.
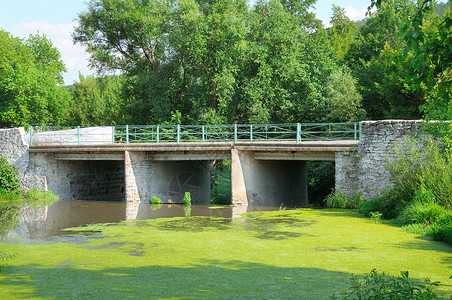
[304,254]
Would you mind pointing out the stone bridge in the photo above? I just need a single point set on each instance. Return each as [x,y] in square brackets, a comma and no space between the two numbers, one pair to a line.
[262,172]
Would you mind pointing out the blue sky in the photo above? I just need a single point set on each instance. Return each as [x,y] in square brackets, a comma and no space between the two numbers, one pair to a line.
[57,18]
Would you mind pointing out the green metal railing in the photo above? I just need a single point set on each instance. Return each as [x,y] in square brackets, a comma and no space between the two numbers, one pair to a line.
[128,134]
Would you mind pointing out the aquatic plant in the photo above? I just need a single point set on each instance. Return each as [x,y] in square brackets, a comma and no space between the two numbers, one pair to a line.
[155,200]
[376,216]
[36,198]
[187,198]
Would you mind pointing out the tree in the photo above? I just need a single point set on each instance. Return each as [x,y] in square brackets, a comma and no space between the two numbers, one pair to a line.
[98,101]
[213,61]
[429,51]
[342,33]
[31,91]
[383,86]
[344,103]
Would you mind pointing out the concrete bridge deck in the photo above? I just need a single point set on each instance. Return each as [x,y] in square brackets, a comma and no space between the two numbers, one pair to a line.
[312,150]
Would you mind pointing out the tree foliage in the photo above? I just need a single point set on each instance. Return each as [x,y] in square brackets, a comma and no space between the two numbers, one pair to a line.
[214,61]
[382,82]
[428,50]
[31,91]
[98,101]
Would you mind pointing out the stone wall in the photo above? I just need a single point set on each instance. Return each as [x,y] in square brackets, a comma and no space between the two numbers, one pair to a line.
[14,146]
[346,172]
[364,170]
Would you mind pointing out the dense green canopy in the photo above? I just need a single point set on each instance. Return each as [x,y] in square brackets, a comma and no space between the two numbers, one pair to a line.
[218,61]
[31,90]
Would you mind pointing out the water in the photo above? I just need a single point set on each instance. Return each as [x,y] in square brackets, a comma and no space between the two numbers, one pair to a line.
[48,221]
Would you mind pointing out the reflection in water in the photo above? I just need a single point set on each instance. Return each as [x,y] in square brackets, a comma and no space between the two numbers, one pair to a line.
[49,221]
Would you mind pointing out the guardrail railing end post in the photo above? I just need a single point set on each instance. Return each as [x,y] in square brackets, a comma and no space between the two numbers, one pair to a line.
[158,133]
[127,134]
[178,133]
[31,136]
[78,135]
[298,132]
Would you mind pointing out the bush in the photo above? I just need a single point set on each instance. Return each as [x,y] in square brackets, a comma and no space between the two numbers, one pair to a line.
[441,230]
[155,200]
[385,204]
[9,179]
[382,286]
[419,164]
[423,209]
[341,200]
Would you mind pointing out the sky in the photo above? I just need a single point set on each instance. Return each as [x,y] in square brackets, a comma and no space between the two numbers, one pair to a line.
[57,19]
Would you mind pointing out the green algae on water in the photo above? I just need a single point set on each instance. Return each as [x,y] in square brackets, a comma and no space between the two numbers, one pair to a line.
[298,254]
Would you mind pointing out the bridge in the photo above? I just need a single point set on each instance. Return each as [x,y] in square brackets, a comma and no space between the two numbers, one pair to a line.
[134,163]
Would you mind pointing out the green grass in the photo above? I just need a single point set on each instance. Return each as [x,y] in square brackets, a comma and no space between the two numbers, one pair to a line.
[292,254]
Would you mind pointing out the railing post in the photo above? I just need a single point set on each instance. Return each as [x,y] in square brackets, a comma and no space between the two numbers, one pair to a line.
[251,132]
[178,133]
[158,133]
[113,134]
[298,132]
[203,133]
[360,131]
[31,136]
[235,133]
[127,134]
[354,131]
[78,135]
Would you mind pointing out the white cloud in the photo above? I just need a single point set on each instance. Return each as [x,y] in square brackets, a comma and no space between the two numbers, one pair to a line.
[73,56]
[357,15]
[326,24]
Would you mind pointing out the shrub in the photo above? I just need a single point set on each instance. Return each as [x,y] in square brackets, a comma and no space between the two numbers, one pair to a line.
[341,200]
[385,204]
[441,230]
[187,198]
[376,216]
[9,179]
[422,229]
[382,286]
[420,163]
[423,209]
[155,200]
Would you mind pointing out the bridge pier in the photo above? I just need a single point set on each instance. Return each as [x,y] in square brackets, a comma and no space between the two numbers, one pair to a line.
[267,182]
[167,180]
